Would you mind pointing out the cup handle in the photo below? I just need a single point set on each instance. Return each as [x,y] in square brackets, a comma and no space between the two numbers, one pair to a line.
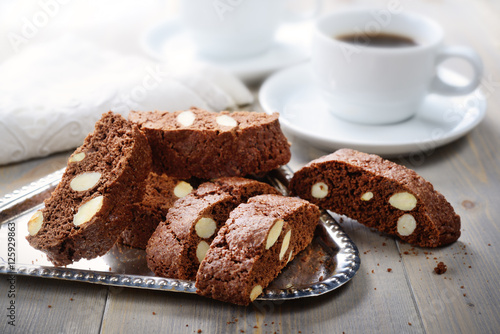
[310,14]
[441,87]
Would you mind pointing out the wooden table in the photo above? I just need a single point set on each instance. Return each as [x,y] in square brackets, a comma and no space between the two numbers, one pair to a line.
[395,290]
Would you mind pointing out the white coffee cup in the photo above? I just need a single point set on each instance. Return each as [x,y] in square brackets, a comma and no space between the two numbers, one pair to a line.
[232,29]
[382,85]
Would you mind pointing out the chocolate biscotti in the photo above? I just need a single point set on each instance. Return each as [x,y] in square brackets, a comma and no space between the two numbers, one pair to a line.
[203,144]
[380,194]
[179,244]
[250,250]
[160,195]
[89,208]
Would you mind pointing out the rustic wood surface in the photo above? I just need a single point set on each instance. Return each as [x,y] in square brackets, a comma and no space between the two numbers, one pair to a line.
[395,290]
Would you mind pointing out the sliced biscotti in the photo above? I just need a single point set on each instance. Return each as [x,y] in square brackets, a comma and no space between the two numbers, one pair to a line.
[380,194]
[90,207]
[250,250]
[160,195]
[179,244]
[203,144]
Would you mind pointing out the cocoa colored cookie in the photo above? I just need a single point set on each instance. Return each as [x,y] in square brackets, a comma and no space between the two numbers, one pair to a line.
[380,194]
[88,210]
[161,193]
[258,240]
[179,244]
[203,144]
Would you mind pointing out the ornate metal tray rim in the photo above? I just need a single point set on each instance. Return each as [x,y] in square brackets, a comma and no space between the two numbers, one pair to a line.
[347,255]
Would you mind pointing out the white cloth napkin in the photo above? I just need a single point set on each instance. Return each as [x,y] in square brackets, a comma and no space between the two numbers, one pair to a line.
[52,94]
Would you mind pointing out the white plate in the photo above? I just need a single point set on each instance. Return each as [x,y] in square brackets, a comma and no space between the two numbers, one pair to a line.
[170,41]
[304,113]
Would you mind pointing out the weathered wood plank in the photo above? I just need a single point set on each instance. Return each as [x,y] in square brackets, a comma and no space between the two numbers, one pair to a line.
[52,306]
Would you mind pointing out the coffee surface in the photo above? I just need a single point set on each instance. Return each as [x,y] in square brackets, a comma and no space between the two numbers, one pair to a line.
[377,40]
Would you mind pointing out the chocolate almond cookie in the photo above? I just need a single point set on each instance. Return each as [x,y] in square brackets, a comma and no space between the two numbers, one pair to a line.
[380,194]
[203,144]
[161,193]
[90,207]
[258,240]
[179,244]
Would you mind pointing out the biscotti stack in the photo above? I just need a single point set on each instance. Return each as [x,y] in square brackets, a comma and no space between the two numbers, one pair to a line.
[129,181]
[179,244]
[91,206]
[380,194]
[109,191]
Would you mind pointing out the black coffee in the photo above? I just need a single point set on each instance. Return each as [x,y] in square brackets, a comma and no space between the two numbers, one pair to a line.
[385,40]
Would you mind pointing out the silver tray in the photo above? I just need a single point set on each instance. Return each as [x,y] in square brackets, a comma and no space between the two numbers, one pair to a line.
[330,261]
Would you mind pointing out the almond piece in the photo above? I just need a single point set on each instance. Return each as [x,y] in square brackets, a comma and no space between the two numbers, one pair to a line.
[201,250]
[88,210]
[182,189]
[290,255]
[186,118]
[274,233]
[85,181]
[77,157]
[406,224]
[225,120]
[205,227]
[403,201]
[367,196]
[285,244]
[35,223]
[319,190]
[256,291]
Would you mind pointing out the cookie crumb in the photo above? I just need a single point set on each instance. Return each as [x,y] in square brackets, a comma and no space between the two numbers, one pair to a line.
[49,306]
[440,268]
[389,270]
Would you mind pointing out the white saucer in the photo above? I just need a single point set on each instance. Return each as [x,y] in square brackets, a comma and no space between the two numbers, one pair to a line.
[304,113]
[170,41]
